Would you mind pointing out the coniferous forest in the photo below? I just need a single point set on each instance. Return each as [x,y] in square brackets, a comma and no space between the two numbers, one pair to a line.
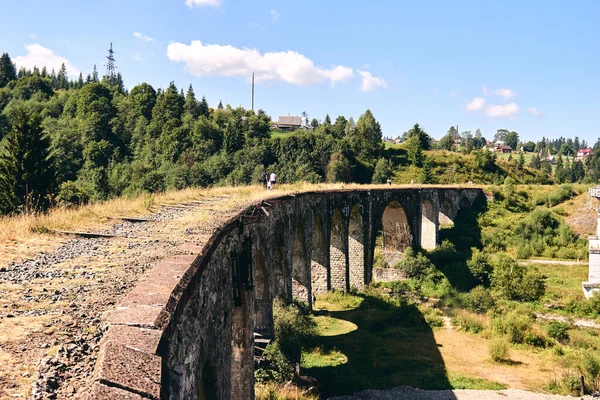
[68,141]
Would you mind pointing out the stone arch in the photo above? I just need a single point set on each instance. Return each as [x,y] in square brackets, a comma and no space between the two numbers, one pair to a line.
[397,235]
[319,262]
[356,249]
[337,252]
[300,281]
[428,226]
[447,213]
[263,311]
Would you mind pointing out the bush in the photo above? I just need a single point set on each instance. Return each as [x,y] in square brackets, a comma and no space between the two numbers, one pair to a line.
[498,349]
[277,367]
[515,282]
[480,267]
[470,322]
[514,325]
[71,194]
[479,300]
[559,331]
[414,265]
[294,328]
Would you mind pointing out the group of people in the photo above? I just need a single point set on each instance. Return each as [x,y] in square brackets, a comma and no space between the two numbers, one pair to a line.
[269,181]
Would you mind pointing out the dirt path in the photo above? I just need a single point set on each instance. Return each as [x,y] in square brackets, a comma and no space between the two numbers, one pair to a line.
[467,354]
[555,262]
[406,393]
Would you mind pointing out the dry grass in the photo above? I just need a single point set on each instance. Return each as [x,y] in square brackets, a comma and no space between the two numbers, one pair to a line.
[22,236]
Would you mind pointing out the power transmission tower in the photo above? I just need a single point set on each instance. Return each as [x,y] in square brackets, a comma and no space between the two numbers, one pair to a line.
[111,75]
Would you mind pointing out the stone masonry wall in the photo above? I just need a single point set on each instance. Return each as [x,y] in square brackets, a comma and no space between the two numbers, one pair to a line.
[186,330]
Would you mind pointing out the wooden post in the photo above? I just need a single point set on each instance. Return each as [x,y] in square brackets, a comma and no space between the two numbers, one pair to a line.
[582,389]
[27,198]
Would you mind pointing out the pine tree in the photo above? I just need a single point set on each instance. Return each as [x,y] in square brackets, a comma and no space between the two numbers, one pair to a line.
[62,77]
[220,106]
[191,105]
[95,75]
[80,81]
[233,139]
[428,176]
[415,154]
[203,107]
[327,120]
[24,165]
[521,163]
[8,71]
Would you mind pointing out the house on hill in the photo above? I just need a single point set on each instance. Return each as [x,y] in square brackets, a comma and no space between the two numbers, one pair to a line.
[582,154]
[289,123]
[503,148]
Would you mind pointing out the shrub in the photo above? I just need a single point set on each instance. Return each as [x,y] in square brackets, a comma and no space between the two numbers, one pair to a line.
[498,349]
[480,267]
[514,325]
[71,194]
[470,322]
[414,265]
[559,331]
[294,328]
[537,338]
[479,300]
[515,282]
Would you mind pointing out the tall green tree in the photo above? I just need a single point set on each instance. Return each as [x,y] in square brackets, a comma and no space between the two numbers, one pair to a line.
[422,137]
[339,127]
[8,72]
[512,140]
[203,107]
[24,161]
[415,152]
[383,170]
[366,138]
[191,105]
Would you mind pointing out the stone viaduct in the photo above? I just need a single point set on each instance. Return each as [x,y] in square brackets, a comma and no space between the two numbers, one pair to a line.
[186,332]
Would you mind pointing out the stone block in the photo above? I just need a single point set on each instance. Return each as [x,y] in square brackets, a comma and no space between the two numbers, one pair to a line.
[141,339]
[130,369]
[103,392]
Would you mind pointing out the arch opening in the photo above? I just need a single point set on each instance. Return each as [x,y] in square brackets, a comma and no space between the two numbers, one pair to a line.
[337,252]
[428,226]
[300,273]
[447,213]
[356,250]
[318,262]
[396,233]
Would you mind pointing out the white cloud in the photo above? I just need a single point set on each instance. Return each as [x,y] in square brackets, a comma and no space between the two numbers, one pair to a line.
[507,94]
[33,36]
[274,15]
[289,66]
[138,57]
[253,24]
[476,104]
[38,55]
[505,110]
[534,111]
[145,38]
[370,82]
[202,3]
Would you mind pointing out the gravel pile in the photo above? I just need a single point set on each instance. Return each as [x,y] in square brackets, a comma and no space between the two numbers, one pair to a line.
[408,393]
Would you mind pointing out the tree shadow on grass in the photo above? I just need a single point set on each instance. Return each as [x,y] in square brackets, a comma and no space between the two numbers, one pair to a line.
[392,346]
[464,235]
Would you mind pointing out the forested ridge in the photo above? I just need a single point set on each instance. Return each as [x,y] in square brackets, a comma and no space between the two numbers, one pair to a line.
[67,141]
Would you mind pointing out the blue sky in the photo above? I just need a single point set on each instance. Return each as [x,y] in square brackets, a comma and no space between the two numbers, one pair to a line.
[528,66]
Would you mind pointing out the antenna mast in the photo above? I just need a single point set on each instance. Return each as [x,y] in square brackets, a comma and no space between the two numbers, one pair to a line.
[110,65]
[253,91]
